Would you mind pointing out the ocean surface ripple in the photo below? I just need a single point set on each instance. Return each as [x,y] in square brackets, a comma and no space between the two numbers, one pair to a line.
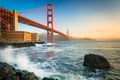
[63,60]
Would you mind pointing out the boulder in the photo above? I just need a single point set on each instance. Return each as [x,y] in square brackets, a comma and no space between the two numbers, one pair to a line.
[94,61]
[25,75]
[46,78]
[7,72]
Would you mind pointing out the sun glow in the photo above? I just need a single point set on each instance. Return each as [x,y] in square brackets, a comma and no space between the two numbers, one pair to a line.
[98,26]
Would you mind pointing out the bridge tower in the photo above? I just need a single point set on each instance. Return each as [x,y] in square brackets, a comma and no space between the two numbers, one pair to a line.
[15,20]
[50,22]
[68,33]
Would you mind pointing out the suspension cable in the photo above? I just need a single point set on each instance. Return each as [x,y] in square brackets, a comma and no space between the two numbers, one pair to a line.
[33,10]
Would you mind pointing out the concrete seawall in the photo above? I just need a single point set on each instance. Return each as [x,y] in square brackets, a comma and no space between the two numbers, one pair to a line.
[19,44]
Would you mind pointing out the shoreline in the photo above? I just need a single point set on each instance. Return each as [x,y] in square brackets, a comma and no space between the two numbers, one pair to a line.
[8,72]
[19,44]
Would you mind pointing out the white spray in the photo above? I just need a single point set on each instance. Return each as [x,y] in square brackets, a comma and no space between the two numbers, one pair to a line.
[21,60]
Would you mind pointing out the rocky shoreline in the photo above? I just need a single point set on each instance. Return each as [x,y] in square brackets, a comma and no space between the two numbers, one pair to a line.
[19,44]
[7,72]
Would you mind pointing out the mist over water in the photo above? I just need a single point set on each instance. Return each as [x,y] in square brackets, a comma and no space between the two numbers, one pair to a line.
[63,60]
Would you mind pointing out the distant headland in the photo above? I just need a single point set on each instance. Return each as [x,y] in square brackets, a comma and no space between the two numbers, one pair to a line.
[85,38]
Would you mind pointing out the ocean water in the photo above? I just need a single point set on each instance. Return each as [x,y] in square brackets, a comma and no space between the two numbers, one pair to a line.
[64,60]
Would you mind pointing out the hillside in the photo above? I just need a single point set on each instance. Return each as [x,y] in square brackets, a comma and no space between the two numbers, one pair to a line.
[56,37]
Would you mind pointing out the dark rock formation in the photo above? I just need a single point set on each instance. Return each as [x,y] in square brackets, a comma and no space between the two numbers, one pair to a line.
[25,75]
[94,61]
[16,44]
[45,78]
[7,72]
[19,44]
[40,42]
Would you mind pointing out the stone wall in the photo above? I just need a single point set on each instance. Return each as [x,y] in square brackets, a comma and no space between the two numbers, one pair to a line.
[16,36]
[27,36]
[19,36]
[34,37]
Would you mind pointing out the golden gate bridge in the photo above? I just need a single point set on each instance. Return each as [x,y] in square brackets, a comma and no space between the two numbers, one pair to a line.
[9,21]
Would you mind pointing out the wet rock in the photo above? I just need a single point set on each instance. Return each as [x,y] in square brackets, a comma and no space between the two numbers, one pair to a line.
[7,72]
[94,61]
[5,69]
[46,78]
[25,75]
[16,44]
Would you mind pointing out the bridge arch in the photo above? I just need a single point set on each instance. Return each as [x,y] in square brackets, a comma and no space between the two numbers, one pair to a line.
[5,24]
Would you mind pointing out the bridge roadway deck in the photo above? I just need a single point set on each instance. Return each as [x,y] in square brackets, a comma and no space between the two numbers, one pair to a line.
[36,24]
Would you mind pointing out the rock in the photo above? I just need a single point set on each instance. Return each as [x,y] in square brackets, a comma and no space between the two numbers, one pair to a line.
[16,44]
[5,69]
[94,61]
[22,74]
[7,72]
[46,78]
[25,75]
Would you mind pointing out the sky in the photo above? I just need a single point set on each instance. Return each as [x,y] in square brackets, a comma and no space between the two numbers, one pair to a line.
[97,19]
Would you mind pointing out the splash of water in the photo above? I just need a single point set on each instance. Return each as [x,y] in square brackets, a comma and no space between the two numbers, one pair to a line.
[21,60]
[7,55]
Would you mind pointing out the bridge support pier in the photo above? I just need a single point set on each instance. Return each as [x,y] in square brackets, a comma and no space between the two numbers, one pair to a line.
[15,20]
[50,22]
